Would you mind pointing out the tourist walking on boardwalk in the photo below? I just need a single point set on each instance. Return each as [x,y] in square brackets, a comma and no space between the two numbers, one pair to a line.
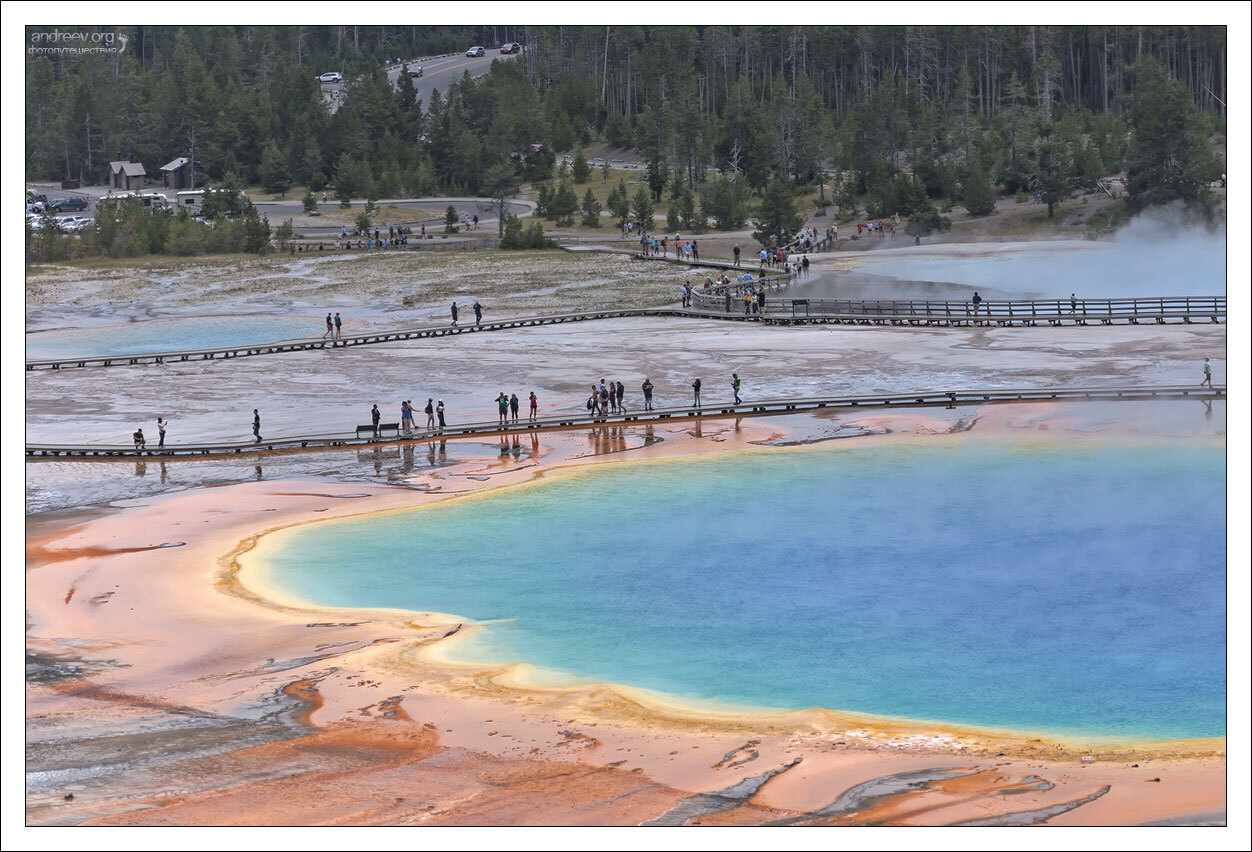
[439,411]
[593,402]
[513,405]
[736,254]
[604,399]
[338,326]
[478,313]
[160,432]
[977,300]
[647,394]
[695,250]
[140,443]
[406,416]
[621,398]
[502,402]
[760,301]
[1073,304]
[727,301]
[612,398]
[375,416]
[534,405]
[1208,373]
[330,327]
[430,412]
[454,311]
[256,425]
[695,387]
[735,385]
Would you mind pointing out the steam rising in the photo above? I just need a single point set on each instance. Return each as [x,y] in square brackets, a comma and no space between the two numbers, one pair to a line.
[1160,253]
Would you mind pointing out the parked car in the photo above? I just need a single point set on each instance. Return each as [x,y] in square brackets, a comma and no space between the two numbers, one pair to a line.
[33,197]
[415,71]
[476,50]
[34,210]
[331,77]
[74,202]
[510,47]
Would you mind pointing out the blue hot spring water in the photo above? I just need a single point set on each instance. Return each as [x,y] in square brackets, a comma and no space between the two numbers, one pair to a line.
[164,335]
[1077,590]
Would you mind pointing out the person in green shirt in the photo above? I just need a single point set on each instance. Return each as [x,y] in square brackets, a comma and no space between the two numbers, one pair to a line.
[735,384]
[503,402]
[1208,373]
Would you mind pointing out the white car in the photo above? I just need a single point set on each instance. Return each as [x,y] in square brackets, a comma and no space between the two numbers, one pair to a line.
[476,50]
[331,77]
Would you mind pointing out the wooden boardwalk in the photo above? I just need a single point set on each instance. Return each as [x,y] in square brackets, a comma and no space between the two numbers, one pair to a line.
[780,312]
[943,398]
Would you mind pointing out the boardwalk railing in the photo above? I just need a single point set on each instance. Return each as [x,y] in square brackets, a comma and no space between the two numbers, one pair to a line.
[1028,312]
[705,306]
[914,399]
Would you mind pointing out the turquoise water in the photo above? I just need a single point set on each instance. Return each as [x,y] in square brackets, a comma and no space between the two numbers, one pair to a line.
[164,335]
[1138,263]
[1052,588]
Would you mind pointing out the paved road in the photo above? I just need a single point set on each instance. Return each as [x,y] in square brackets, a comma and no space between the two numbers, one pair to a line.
[437,73]
[484,208]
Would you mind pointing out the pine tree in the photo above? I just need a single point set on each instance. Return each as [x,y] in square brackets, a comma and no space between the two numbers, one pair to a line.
[777,219]
[979,196]
[1054,170]
[619,203]
[564,204]
[309,201]
[1170,157]
[275,177]
[641,209]
[543,203]
[500,184]
[347,181]
[581,170]
[591,209]
[450,220]
[724,205]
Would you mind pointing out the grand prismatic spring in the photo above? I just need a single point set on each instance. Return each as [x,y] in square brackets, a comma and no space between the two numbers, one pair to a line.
[1076,590]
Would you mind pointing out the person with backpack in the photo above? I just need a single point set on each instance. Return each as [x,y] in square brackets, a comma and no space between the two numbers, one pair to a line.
[735,384]
[430,412]
[647,394]
[695,387]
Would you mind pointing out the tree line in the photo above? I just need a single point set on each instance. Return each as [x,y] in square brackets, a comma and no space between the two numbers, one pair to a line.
[879,120]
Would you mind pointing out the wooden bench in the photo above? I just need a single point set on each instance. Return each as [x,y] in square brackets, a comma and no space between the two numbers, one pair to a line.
[382,427]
